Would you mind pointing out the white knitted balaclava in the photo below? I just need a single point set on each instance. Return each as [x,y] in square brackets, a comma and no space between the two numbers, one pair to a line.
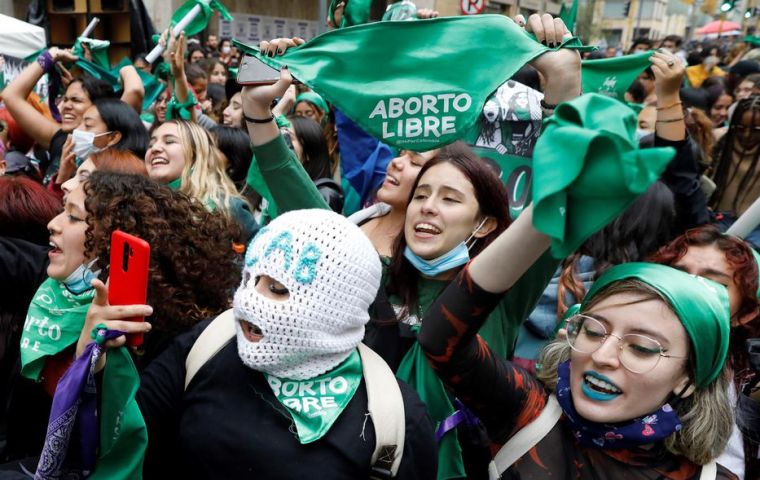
[332,273]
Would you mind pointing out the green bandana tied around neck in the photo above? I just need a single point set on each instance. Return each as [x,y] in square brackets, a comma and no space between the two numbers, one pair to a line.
[587,169]
[356,12]
[613,76]
[418,374]
[701,305]
[315,404]
[201,21]
[53,323]
[491,48]
[314,99]
[175,184]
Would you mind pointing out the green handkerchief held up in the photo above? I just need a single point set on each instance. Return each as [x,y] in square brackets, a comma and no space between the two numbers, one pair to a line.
[200,22]
[613,76]
[587,169]
[410,96]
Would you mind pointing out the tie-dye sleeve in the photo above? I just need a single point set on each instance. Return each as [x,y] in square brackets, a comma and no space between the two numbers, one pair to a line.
[505,397]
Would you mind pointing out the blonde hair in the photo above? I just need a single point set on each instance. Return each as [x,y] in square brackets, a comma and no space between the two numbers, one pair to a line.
[204,176]
[706,414]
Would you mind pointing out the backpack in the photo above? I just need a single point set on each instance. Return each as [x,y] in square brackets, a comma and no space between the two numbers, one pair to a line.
[385,404]
[529,436]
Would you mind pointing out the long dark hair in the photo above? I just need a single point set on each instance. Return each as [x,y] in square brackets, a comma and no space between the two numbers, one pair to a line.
[491,196]
[96,88]
[120,117]
[316,159]
[638,232]
[724,152]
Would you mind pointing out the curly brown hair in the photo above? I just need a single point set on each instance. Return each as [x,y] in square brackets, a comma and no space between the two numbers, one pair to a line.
[193,269]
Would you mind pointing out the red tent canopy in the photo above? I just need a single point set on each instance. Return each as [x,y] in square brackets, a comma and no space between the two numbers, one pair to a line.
[719,27]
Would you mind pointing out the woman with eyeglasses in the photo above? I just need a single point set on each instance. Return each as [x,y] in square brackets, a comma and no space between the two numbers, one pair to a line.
[636,389]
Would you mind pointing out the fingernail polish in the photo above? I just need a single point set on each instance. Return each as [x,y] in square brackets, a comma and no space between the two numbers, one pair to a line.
[285,67]
[280,51]
[543,42]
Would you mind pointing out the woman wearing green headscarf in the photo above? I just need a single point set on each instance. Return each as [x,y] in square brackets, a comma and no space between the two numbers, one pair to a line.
[637,388]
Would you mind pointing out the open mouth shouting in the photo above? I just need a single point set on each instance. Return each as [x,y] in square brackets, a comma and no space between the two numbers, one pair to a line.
[391,180]
[54,249]
[426,230]
[598,387]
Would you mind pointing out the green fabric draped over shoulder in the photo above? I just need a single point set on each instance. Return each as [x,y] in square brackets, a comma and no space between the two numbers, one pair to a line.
[587,169]
[417,101]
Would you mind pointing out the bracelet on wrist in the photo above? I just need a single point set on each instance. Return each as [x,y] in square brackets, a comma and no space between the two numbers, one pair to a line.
[548,106]
[258,120]
[674,104]
[45,61]
[670,120]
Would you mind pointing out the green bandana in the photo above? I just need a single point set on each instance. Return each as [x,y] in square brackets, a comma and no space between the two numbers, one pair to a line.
[403,10]
[201,21]
[587,169]
[701,305]
[356,12]
[491,48]
[569,15]
[752,40]
[314,99]
[418,374]
[180,111]
[98,51]
[123,434]
[316,404]
[613,76]
[153,86]
[175,184]
[53,323]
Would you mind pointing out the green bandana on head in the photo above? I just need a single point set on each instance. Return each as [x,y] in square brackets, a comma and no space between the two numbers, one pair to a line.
[315,404]
[356,12]
[53,323]
[613,76]
[315,100]
[393,107]
[201,21]
[701,306]
[587,169]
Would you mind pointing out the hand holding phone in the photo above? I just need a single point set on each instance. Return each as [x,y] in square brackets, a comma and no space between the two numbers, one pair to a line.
[128,278]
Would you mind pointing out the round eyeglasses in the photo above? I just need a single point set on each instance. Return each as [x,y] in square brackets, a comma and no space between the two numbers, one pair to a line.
[637,353]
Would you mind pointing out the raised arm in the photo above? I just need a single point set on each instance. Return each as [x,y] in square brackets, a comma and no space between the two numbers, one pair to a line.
[175,56]
[133,88]
[37,125]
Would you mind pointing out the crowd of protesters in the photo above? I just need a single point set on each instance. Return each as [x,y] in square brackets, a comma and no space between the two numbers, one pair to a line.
[323,303]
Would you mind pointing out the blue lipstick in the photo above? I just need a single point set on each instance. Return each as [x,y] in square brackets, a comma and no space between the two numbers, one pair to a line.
[595,394]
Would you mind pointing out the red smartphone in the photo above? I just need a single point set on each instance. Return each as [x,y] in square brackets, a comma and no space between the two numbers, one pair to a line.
[128,276]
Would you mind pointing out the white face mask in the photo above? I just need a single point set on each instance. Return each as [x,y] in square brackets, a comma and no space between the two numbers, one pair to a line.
[332,273]
[226,50]
[84,143]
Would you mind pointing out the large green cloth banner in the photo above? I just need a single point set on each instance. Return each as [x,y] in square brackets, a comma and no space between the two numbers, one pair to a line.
[427,89]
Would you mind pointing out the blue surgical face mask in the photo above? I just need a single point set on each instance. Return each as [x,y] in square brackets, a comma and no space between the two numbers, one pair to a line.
[456,257]
[80,279]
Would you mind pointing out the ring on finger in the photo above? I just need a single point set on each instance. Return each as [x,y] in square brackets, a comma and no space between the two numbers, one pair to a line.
[671,63]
